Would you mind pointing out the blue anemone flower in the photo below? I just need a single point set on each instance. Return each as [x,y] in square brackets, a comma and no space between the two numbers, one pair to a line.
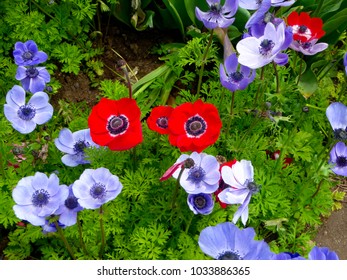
[322,253]
[338,158]
[202,177]
[337,116]
[233,78]
[217,15]
[27,53]
[38,197]
[201,203]
[25,117]
[257,52]
[288,256]
[74,144]
[96,187]
[69,209]
[240,179]
[227,242]
[33,78]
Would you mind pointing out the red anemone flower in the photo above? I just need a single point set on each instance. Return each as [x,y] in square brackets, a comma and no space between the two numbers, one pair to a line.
[116,124]
[304,27]
[159,118]
[194,126]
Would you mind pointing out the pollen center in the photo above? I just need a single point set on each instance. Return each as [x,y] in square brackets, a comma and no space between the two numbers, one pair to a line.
[40,198]
[341,161]
[266,46]
[98,191]
[26,112]
[32,72]
[162,122]
[117,125]
[195,126]
[229,255]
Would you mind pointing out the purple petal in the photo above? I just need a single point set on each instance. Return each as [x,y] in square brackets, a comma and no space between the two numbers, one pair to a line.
[281,59]
[21,73]
[337,115]
[16,96]
[27,213]
[39,100]
[43,115]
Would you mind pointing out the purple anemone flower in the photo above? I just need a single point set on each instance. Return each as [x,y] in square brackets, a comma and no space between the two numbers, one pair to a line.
[257,52]
[322,253]
[240,178]
[96,187]
[309,47]
[200,203]
[227,242]
[33,78]
[218,16]
[256,4]
[288,256]
[202,177]
[50,227]
[38,197]
[337,116]
[69,209]
[262,8]
[25,117]
[345,62]
[338,158]
[74,144]
[233,78]
[26,54]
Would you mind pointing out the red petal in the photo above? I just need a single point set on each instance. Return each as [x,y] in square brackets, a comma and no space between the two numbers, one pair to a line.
[168,173]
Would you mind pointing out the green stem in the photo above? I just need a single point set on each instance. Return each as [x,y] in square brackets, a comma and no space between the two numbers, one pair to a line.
[300,70]
[231,111]
[174,196]
[221,99]
[203,63]
[189,222]
[62,236]
[277,78]
[83,245]
[102,229]
[259,87]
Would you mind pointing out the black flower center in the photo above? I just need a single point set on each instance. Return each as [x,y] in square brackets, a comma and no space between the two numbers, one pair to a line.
[196,174]
[71,202]
[306,45]
[79,146]
[200,201]
[162,122]
[118,125]
[341,161]
[253,188]
[302,29]
[266,46]
[27,55]
[189,163]
[340,134]
[40,198]
[32,72]
[98,191]
[26,112]
[215,8]
[229,255]
[236,76]
[195,126]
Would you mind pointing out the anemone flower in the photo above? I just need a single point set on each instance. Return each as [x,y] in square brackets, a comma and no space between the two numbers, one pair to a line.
[194,126]
[33,78]
[202,177]
[38,197]
[95,187]
[322,253]
[257,52]
[200,203]
[116,124]
[240,179]
[227,242]
[25,117]
[68,210]
[51,227]
[217,15]
[27,53]
[338,158]
[158,119]
[234,77]
[309,47]
[336,113]
[74,144]
[288,256]
[345,62]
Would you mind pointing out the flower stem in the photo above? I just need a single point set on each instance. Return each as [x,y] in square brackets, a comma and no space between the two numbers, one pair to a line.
[203,63]
[189,222]
[83,245]
[102,229]
[277,78]
[259,87]
[66,243]
[174,197]
[123,66]
[231,112]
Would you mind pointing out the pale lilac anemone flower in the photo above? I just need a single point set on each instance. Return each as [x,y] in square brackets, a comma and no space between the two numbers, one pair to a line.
[234,77]
[337,116]
[27,53]
[227,242]
[257,52]
[202,177]
[240,179]
[25,117]
[309,47]
[338,158]
[217,15]
[33,78]
[322,253]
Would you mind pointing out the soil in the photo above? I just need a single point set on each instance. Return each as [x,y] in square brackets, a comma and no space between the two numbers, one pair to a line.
[135,48]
